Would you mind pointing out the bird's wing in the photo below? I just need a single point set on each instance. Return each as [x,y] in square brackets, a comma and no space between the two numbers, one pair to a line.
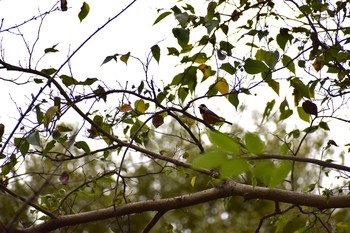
[213,113]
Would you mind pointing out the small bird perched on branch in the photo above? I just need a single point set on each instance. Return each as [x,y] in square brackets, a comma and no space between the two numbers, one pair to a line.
[209,116]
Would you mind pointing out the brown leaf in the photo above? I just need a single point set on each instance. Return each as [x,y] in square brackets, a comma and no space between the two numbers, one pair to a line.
[125,108]
[310,108]
[157,120]
[64,5]
[2,130]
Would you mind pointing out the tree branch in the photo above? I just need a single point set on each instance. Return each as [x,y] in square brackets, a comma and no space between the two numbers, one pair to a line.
[227,189]
[304,160]
[153,222]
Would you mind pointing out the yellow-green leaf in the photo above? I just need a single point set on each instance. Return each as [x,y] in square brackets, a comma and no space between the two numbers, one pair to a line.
[206,70]
[303,115]
[210,159]
[84,11]
[193,180]
[161,17]
[233,168]
[221,85]
[224,142]
[49,115]
[140,106]
[254,144]
[124,58]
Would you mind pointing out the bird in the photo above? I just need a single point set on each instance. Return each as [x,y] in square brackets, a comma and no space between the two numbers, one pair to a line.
[209,116]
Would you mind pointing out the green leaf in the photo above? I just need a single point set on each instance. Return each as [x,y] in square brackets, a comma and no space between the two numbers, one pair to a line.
[24,148]
[100,93]
[311,88]
[39,114]
[49,115]
[156,52]
[303,115]
[88,81]
[7,167]
[228,68]
[198,58]
[109,58]
[285,110]
[254,144]
[38,80]
[311,187]
[224,142]
[311,129]
[300,87]
[263,170]
[49,147]
[124,58]
[106,127]
[211,10]
[183,92]
[279,174]
[255,67]
[63,128]
[182,18]
[173,51]
[295,133]
[83,145]
[68,80]
[34,138]
[284,149]
[182,36]
[268,109]
[52,49]
[227,47]
[283,37]
[288,62]
[224,28]
[161,96]
[49,71]
[324,125]
[269,57]
[210,159]
[233,99]
[211,25]
[275,86]
[140,87]
[233,168]
[84,11]
[162,16]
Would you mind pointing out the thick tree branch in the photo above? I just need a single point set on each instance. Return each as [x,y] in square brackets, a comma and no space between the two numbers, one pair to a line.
[227,189]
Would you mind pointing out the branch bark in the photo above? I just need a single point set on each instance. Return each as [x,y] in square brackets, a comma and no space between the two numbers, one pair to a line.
[227,189]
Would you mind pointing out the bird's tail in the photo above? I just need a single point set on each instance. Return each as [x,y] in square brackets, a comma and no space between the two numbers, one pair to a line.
[227,122]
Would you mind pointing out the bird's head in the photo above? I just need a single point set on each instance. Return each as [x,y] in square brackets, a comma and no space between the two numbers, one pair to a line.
[202,108]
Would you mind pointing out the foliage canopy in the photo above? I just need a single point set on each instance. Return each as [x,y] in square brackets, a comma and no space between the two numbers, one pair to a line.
[131,153]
